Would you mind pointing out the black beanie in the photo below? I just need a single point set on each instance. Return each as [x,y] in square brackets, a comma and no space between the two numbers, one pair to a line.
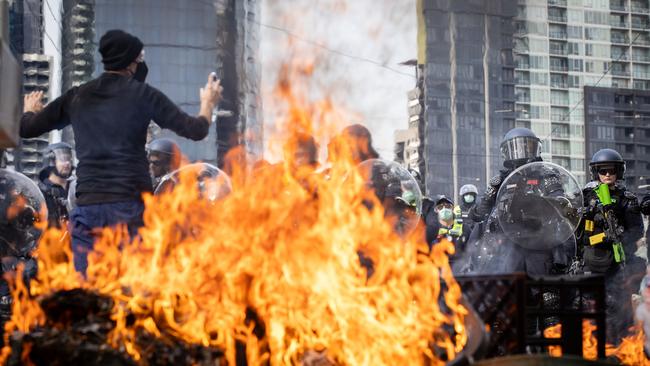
[119,49]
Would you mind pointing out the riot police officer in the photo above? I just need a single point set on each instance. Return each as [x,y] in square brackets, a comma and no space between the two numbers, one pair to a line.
[54,181]
[519,147]
[612,221]
[611,226]
[468,195]
[448,225]
[164,157]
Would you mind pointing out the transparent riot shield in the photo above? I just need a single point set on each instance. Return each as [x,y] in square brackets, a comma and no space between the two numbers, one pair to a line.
[21,206]
[396,189]
[538,205]
[213,183]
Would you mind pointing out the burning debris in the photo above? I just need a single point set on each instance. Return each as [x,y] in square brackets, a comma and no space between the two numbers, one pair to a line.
[267,274]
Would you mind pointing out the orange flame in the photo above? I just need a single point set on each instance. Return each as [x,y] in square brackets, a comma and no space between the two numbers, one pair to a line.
[629,351]
[275,248]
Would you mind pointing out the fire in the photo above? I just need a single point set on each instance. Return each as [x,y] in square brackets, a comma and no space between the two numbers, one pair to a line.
[628,352]
[273,266]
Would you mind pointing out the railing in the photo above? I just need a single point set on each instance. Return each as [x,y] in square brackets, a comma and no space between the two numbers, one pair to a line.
[640,9]
[522,66]
[642,75]
[523,99]
[559,84]
[624,40]
[640,25]
[559,116]
[642,58]
[618,24]
[618,7]
[557,35]
[620,72]
[557,18]
[620,56]
[558,51]
[560,102]
[522,81]
[557,2]
[563,68]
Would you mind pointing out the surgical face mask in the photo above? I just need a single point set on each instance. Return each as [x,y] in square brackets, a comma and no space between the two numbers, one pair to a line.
[446,214]
[141,71]
[468,198]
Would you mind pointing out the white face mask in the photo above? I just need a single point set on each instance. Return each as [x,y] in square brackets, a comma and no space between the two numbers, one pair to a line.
[446,214]
[468,198]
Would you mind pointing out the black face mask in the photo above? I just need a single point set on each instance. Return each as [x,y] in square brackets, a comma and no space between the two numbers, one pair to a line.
[141,71]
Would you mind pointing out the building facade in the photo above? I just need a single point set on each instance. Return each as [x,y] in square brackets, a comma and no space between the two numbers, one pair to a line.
[620,119]
[469,90]
[562,46]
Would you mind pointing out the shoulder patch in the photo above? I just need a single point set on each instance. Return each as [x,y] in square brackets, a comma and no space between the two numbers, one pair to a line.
[591,185]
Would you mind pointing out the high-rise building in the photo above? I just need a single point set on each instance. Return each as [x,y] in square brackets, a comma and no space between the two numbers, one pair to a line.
[620,119]
[465,48]
[562,46]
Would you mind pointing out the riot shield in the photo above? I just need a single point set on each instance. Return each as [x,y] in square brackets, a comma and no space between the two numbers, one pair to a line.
[213,183]
[538,205]
[396,189]
[22,205]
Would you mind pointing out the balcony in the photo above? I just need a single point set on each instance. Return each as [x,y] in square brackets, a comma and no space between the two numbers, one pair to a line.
[641,75]
[618,7]
[560,51]
[557,2]
[618,24]
[641,57]
[620,56]
[621,40]
[640,25]
[523,98]
[559,68]
[640,9]
[559,116]
[557,35]
[616,72]
[557,18]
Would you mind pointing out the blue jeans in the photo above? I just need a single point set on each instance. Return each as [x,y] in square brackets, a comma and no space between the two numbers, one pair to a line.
[85,219]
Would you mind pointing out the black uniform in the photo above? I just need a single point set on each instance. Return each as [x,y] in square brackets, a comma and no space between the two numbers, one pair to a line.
[56,198]
[598,254]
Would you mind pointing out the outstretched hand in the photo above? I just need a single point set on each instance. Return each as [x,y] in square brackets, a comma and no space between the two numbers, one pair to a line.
[211,93]
[33,102]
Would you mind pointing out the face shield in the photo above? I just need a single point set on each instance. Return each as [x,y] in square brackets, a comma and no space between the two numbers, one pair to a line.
[64,162]
[519,148]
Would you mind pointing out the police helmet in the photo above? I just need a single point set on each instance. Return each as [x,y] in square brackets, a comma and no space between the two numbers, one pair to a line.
[441,198]
[60,150]
[520,144]
[168,150]
[607,157]
[467,189]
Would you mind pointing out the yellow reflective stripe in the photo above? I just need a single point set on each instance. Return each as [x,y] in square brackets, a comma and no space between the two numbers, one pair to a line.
[596,239]
[589,225]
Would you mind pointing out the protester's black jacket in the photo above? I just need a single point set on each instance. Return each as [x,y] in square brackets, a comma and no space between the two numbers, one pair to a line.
[109,116]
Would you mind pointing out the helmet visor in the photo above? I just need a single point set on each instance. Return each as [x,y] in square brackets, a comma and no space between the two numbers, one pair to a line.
[63,155]
[524,147]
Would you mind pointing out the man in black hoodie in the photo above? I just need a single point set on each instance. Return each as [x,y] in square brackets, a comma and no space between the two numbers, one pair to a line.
[109,116]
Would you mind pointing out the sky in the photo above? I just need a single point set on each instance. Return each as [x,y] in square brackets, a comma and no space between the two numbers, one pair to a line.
[356,47]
